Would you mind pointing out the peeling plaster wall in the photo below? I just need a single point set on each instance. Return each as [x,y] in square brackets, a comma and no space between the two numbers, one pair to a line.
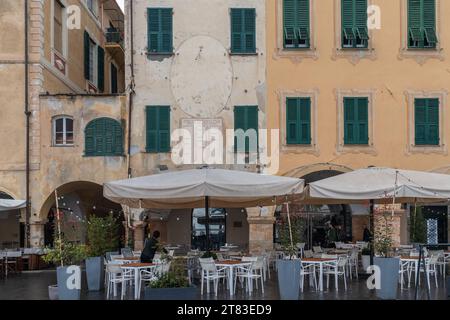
[68,164]
[201,29]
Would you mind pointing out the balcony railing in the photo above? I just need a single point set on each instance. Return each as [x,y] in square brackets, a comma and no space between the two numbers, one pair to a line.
[114,36]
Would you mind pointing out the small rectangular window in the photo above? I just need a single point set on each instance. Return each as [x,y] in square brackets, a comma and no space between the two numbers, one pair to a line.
[63,131]
[159,30]
[243,31]
[296,23]
[158,129]
[355,33]
[58,26]
[422,24]
[356,121]
[298,121]
[426,115]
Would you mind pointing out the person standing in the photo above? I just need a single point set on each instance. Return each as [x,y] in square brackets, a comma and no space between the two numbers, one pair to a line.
[366,234]
[150,248]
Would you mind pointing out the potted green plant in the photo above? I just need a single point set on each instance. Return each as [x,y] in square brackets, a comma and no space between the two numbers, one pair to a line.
[288,269]
[68,256]
[102,235]
[173,285]
[388,265]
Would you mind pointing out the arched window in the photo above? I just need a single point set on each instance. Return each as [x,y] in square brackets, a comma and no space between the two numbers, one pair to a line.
[62,131]
[103,137]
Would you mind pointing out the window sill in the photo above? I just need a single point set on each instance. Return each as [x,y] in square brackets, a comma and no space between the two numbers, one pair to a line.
[103,156]
[428,149]
[357,149]
[421,55]
[159,53]
[63,146]
[243,53]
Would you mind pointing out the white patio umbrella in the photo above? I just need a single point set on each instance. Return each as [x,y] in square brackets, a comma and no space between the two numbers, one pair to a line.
[206,188]
[381,185]
[7,205]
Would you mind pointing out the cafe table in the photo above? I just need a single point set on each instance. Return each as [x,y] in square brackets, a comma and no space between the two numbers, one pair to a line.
[230,265]
[129,259]
[136,268]
[320,262]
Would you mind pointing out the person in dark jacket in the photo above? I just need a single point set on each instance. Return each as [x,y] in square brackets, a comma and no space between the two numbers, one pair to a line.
[150,248]
[366,234]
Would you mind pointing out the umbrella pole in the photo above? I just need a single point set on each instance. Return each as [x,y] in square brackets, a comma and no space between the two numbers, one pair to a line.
[207,222]
[372,230]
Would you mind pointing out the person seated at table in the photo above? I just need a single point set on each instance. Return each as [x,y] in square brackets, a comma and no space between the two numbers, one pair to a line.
[150,248]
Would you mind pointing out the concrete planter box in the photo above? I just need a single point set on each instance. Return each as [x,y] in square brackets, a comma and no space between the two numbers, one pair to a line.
[365,260]
[69,282]
[53,292]
[389,268]
[190,293]
[95,273]
[289,279]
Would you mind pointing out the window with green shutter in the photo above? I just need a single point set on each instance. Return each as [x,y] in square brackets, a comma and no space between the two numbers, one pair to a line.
[356,121]
[246,118]
[103,137]
[422,24]
[158,129]
[243,31]
[296,25]
[426,116]
[160,29]
[298,121]
[355,33]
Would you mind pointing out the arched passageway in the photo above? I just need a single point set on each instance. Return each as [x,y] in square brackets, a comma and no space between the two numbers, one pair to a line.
[12,229]
[320,225]
[77,201]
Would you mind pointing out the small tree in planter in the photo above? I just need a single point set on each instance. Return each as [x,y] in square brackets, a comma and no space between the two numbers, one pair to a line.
[389,266]
[173,285]
[68,256]
[288,270]
[102,233]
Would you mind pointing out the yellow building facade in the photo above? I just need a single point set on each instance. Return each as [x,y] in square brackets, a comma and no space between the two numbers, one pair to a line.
[325,53]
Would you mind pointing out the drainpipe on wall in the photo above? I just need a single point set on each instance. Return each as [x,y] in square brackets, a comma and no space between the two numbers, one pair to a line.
[131,88]
[27,152]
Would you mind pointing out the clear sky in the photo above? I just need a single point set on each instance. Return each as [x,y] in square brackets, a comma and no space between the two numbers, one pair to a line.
[120,2]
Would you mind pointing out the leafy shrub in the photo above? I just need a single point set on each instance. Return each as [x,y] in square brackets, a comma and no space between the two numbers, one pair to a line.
[65,253]
[102,234]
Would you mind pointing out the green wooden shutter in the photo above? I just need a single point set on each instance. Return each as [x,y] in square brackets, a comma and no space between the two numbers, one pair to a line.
[289,22]
[433,121]
[87,41]
[303,24]
[243,30]
[245,118]
[152,129]
[363,121]
[292,121]
[160,30]
[360,20]
[356,121]
[158,128]
[252,123]
[237,24]
[429,22]
[89,143]
[153,33]
[164,129]
[166,30]
[101,68]
[347,20]
[420,119]
[415,22]
[304,106]
[103,137]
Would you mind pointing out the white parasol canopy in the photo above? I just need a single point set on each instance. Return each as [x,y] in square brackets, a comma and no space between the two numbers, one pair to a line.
[189,188]
[380,185]
[7,205]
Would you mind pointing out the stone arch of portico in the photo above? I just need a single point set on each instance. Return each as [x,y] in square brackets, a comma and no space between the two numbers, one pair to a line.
[316,167]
